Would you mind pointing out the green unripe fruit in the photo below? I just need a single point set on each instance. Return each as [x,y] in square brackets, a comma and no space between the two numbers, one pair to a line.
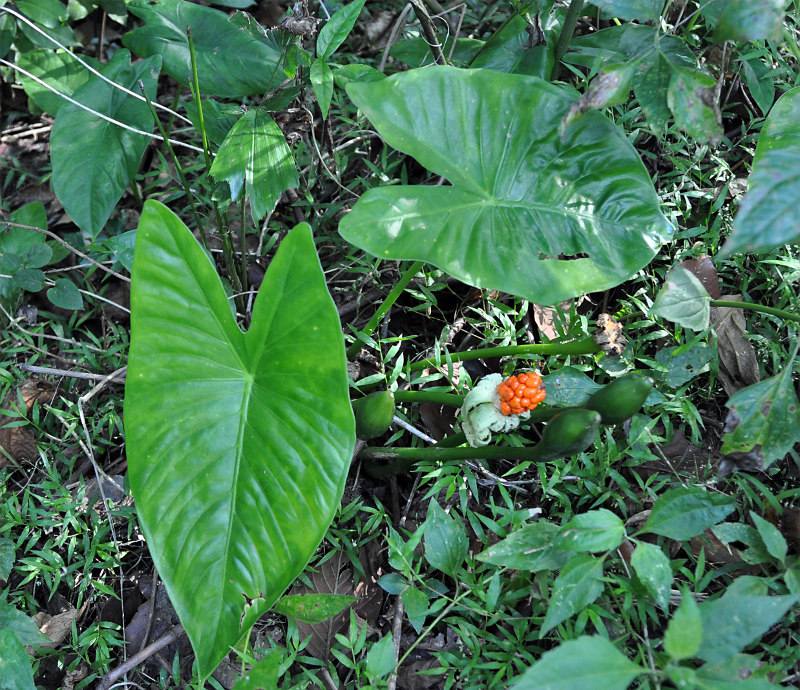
[621,399]
[374,414]
[568,433]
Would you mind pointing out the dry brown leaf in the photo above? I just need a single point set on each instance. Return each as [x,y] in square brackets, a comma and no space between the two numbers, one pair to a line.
[610,337]
[738,366]
[717,553]
[18,443]
[334,576]
[57,627]
[704,270]
[438,419]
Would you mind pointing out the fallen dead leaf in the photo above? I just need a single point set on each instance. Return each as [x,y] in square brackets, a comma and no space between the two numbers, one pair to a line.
[717,552]
[334,576]
[704,270]
[17,442]
[738,365]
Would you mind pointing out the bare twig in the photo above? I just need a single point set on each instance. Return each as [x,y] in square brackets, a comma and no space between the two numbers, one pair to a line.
[66,244]
[33,369]
[430,32]
[165,640]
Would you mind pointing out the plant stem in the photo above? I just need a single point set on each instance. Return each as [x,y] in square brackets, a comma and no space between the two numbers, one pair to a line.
[773,311]
[391,298]
[584,346]
[564,38]
[439,397]
[400,459]
[179,169]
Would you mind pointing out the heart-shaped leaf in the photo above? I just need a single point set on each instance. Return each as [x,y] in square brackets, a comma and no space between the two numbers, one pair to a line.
[238,443]
[526,213]
[93,159]
[231,62]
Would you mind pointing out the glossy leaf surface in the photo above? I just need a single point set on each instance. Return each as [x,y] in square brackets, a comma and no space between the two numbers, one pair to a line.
[106,155]
[526,213]
[238,443]
[335,31]
[58,70]
[256,158]
[587,663]
[769,214]
[231,63]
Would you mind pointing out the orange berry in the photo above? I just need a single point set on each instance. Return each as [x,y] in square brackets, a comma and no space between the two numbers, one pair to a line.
[520,393]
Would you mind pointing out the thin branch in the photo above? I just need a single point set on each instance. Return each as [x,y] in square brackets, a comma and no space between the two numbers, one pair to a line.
[94,112]
[86,65]
[66,244]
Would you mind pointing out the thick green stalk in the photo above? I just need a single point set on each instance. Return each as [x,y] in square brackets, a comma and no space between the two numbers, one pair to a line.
[773,311]
[391,298]
[439,397]
[564,38]
[584,346]
[400,459]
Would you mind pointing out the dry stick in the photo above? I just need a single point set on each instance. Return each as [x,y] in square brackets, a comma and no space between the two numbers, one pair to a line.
[66,244]
[429,31]
[398,25]
[165,640]
[33,369]
[397,628]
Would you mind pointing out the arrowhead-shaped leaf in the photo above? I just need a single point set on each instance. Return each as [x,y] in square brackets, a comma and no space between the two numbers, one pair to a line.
[238,443]
[256,157]
[526,213]
[93,159]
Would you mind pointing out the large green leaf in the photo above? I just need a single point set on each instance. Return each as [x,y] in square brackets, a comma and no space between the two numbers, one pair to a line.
[586,663]
[578,585]
[769,215]
[686,511]
[739,617]
[231,62]
[238,443]
[255,157]
[93,159]
[765,416]
[527,213]
[58,70]
[751,20]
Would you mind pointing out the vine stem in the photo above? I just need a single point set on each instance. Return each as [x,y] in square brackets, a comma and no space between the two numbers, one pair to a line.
[391,298]
[584,346]
[772,311]
[564,38]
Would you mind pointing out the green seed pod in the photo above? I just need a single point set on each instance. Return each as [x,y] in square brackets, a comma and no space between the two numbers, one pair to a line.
[568,433]
[374,414]
[621,398]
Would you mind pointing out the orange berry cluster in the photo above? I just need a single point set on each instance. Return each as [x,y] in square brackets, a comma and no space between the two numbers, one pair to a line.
[520,393]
